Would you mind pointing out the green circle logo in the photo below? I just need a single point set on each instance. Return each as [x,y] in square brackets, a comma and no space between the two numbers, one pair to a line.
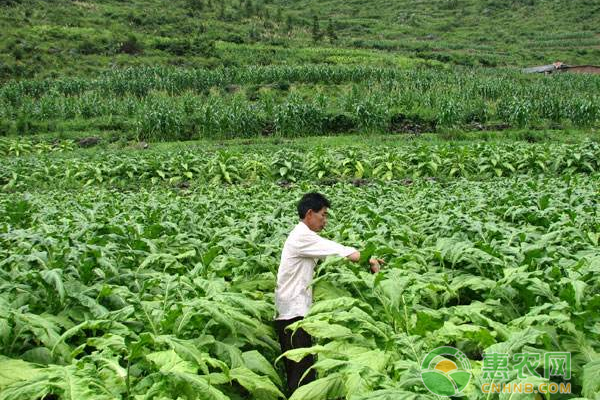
[446,371]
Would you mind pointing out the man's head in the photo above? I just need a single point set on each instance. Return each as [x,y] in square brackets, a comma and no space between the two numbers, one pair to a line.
[313,211]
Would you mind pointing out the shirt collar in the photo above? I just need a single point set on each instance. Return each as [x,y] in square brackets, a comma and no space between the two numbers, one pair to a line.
[304,227]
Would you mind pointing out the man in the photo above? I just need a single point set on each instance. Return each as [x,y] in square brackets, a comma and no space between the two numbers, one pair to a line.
[293,296]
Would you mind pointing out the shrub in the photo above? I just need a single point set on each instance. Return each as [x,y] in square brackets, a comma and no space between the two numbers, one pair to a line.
[89,47]
[131,46]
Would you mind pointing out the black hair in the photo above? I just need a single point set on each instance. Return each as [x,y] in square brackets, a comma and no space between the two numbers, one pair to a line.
[311,201]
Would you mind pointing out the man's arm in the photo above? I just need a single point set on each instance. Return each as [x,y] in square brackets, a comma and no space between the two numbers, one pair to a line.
[313,245]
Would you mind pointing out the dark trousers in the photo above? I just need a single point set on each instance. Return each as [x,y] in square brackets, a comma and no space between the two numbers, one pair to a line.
[295,370]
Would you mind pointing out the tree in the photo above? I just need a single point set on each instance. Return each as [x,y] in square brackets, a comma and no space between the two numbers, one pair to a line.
[248,8]
[254,35]
[331,31]
[221,10]
[316,32]
[195,5]
[131,45]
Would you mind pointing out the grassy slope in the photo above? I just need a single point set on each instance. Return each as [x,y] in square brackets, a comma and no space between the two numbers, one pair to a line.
[512,32]
[78,38]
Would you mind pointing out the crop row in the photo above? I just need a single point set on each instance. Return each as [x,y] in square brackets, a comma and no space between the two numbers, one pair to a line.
[388,107]
[141,81]
[19,147]
[196,165]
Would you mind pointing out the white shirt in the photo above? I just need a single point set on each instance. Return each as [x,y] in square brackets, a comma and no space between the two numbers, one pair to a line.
[302,249]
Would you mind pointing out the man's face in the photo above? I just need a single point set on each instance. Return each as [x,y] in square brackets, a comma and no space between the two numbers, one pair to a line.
[316,221]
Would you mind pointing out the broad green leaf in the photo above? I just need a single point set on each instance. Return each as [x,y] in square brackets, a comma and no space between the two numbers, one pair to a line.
[68,382]
[257,363]
[169,361]
[322,329]
[330,387]
[393,394]
[590,379]
[13,370]
[259,386]
[516,342]
[54,278]
[298,354]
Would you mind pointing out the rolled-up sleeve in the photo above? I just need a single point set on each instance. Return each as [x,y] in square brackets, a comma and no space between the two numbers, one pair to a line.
[313,245]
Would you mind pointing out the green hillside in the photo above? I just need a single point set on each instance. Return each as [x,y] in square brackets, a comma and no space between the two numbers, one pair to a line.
[51,38]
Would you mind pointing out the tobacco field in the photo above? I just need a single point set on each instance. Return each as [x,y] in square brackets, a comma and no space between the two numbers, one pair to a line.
[150,275]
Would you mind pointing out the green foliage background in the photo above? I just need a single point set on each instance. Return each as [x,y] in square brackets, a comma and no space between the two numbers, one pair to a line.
[77,38]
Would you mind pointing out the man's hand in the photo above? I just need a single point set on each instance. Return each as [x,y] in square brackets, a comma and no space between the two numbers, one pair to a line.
[375,264]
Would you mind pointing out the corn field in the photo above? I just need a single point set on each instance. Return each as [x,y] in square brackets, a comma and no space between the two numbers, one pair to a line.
[169,104]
